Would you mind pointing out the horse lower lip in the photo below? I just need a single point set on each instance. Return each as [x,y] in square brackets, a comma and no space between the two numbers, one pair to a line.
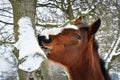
[46,45]
[48,54]
[46,50]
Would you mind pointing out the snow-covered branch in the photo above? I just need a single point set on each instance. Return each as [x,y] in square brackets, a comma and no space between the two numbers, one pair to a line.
[30,53]
[86,11]
[113,53]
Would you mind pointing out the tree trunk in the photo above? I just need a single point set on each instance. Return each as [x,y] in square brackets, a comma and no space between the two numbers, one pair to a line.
[70,11]
[22,8]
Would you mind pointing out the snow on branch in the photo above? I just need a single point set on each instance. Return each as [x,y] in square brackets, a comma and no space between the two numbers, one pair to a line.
[86,12]
[30,53]
[113,53]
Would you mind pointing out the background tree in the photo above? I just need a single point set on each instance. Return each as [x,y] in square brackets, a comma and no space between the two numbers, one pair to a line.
[21,10]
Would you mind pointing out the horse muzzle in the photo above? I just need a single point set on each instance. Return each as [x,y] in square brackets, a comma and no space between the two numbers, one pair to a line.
[43,42]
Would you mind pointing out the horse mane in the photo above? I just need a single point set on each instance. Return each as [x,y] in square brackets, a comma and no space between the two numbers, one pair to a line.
[101,62]
[104,71]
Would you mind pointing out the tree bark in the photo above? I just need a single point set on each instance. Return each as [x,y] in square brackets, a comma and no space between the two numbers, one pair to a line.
[22,8]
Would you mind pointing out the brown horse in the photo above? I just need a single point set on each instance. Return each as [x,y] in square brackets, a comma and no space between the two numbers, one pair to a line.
[76,49]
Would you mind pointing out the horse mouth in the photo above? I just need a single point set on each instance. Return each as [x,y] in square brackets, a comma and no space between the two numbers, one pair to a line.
[45,45]
[46,48]
[46,51]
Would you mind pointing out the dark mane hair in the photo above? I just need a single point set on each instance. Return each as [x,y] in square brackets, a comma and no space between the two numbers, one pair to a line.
[104,71]
[101,62]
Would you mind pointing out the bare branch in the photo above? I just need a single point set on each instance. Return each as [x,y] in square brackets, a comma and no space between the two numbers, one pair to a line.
[6,11]
[6,22]
[47,25]
[51,5]
[4,42]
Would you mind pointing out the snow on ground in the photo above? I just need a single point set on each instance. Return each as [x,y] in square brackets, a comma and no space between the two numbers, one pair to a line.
[55,31]
[30,53]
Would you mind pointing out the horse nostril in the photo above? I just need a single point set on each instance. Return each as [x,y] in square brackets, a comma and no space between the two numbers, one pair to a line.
[43,39]
[47,40]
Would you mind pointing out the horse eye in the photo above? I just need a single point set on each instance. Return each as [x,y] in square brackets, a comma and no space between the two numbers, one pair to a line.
[78,36]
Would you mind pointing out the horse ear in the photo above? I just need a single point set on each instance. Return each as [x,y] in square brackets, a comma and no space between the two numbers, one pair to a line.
[94,27]
[78,20]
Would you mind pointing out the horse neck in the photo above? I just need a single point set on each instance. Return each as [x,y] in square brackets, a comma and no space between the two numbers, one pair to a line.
[87,67]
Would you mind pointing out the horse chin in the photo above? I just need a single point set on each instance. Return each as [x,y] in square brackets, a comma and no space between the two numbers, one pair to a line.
[46,51]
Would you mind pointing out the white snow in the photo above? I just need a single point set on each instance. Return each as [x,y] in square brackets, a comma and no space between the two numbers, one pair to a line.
[7,69]
[31,63]
[55,31]
[87,11]
[4,65]
[29,49]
